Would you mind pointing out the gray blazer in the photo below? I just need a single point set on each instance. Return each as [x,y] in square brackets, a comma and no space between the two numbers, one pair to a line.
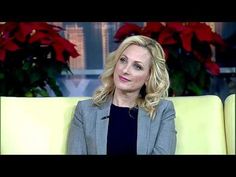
[89,127]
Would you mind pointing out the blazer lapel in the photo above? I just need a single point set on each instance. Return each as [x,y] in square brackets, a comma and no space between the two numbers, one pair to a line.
[102,127]
[144,123]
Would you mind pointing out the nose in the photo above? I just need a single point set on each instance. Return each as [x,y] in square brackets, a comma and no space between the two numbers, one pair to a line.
[126,69]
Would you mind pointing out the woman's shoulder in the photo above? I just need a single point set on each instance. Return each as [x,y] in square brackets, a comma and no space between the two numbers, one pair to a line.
[165,108]
[165,105]
[85,103]
[85,106]
[165,102]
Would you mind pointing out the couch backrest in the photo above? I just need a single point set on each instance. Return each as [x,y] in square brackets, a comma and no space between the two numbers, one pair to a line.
[200,125]
[40,125]
[35,125]
[229,114]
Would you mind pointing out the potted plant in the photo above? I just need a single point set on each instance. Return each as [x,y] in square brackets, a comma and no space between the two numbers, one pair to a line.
[32,55]
[188,49]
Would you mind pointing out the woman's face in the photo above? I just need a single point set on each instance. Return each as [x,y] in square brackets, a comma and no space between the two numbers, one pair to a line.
[132,69]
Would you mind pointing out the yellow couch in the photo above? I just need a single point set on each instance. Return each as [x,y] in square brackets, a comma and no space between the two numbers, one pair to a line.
[40,125]
[229,114]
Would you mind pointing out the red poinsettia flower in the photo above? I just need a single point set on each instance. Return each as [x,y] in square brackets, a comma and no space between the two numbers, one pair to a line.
[7,45]
[188,51]
[42,38]
[202,31]
[61,45]
[152,27]
[15,35]
[127,29]
[32,55]
[176,33]
[166,37]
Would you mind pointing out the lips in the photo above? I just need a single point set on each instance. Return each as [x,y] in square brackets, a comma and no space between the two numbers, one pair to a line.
[123,79]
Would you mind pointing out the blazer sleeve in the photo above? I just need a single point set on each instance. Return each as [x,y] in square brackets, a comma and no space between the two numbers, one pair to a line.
[166,138]
[76,143]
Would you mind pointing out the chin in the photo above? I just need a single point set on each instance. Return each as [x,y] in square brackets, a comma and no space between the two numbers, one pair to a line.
[123,88]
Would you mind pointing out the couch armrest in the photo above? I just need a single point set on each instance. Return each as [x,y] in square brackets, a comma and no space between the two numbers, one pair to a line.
[229,113]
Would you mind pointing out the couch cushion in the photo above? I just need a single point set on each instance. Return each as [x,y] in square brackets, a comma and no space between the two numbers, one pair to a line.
[40,125]
[35,125]
[200,125]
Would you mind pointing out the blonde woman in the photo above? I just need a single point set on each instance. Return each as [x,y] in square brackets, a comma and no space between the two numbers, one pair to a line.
[128,114]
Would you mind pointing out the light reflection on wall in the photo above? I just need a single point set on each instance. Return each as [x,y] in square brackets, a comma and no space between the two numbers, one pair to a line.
[75,34]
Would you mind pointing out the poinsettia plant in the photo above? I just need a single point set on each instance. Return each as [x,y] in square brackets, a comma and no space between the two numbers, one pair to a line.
[189,50]
[32,55]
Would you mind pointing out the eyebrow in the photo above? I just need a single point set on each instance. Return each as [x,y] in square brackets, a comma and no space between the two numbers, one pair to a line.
[134,60]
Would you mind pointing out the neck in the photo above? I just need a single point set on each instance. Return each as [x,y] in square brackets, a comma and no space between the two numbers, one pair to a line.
[124,99]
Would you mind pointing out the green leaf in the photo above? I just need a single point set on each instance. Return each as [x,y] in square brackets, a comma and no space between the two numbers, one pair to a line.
[194,88]
[54,87]
[19,75]
[202,78]
[177,83]
[29,94]
[51,72]
[3,88]
[34,77]
[26,66]
[2,76]
[192,67]
[41,92]
[173,51]
[10,92]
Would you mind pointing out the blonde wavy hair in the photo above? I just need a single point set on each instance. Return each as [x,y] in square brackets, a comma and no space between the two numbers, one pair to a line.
[157,85]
